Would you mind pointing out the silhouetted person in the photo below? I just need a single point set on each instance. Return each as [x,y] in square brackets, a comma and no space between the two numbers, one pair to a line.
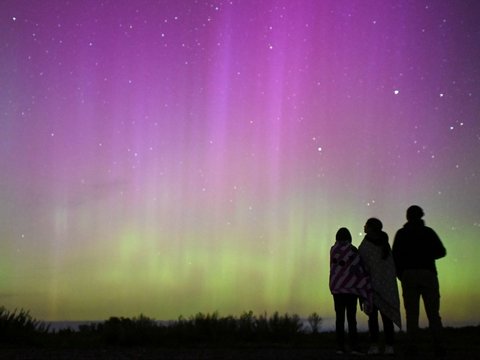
[415,249]
[348,282]
[377,257]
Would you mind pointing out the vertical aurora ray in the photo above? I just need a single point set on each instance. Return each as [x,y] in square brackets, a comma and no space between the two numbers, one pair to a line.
[175,157]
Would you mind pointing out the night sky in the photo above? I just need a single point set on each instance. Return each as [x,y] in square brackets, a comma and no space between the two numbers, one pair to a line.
[172,157]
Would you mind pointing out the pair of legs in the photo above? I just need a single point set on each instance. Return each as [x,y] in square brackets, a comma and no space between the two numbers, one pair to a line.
[374,329]
[416,284]
[346,303]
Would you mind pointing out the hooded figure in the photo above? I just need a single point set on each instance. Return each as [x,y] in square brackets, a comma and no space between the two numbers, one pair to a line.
[377,257]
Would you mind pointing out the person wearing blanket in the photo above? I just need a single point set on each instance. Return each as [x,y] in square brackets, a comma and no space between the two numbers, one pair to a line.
[377,258]
[348,283]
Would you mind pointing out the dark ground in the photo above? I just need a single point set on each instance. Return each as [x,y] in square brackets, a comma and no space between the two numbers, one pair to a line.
[461,344]
[217,353]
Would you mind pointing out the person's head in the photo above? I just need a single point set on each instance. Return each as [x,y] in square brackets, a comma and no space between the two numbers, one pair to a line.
[414,212]
[373,225]
[343,235]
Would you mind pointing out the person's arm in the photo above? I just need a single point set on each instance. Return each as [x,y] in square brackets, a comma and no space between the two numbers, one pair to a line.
[364,257]
[438,250]
[397,254]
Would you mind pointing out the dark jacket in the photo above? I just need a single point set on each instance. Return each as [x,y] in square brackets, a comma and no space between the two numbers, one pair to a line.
[416,246]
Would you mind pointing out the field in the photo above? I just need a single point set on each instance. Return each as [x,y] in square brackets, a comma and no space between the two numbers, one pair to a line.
[206,336]
[461,343]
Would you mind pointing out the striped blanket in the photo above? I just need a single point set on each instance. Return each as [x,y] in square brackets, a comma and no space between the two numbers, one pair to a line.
[348,276]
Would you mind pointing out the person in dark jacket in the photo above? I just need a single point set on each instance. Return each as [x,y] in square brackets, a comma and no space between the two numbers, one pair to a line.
[415,249]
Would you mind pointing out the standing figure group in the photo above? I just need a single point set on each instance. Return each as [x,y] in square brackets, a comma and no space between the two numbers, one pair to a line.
[370,273]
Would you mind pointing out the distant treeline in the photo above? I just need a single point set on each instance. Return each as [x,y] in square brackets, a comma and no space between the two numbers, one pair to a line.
[19,327]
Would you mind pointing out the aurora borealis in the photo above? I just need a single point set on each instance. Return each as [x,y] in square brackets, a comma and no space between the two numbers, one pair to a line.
[170,157]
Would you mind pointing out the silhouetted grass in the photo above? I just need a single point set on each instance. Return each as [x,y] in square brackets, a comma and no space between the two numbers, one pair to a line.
[144,331]
[197,329]
[199,332]
[19,327]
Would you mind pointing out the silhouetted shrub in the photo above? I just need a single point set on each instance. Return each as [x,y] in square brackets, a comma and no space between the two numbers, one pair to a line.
[284,327]
[315,321]
[247,326]
[140,331]
[124,331]
[20,327]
